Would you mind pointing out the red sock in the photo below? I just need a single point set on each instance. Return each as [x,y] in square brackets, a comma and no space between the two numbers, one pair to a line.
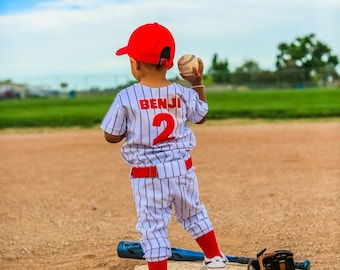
[209,245]
[162,265]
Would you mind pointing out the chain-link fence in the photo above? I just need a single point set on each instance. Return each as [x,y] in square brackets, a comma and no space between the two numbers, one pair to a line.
[67,83]
[293,78]
[288,78]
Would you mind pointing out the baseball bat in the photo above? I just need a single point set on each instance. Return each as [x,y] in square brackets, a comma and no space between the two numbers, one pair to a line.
[133,250]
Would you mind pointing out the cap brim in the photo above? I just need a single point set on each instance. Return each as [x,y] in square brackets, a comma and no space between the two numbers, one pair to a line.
[122,51]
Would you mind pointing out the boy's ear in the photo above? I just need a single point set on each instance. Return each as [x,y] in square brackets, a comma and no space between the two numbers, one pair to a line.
[135,62]
[138,65]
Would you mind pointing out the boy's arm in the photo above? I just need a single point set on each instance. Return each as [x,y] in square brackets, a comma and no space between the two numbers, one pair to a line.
[199,88]
[201,94]
[113,138]
[196,80]
[197,84]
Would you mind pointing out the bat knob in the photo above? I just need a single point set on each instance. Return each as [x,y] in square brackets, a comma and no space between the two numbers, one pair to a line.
[306,264]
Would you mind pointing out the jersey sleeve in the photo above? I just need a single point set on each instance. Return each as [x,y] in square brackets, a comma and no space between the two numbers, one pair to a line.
[114,121]
[196,108]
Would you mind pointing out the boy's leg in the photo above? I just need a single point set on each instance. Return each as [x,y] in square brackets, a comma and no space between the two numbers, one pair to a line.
[189,212]
[162,265]
[208,244]
[213,257]
[154,214]
[193,216]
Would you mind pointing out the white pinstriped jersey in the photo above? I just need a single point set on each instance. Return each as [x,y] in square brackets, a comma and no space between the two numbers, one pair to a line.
[154,121]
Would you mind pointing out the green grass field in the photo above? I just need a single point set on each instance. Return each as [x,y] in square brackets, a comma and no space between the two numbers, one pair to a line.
[275,104]
[87,111]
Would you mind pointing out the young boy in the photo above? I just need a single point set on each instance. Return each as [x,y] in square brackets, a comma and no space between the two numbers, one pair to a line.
[151,115]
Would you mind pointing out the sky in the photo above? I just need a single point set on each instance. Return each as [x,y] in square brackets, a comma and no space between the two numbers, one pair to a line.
[67,39]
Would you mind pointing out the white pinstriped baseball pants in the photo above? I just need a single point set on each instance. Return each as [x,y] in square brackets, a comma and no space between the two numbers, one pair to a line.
[154,199]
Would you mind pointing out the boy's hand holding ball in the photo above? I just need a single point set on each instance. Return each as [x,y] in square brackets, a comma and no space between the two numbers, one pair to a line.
[191,68]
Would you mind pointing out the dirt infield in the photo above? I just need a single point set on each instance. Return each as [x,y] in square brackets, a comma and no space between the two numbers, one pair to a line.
[66,200]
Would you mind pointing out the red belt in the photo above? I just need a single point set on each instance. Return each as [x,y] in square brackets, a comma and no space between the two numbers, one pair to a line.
[141,172]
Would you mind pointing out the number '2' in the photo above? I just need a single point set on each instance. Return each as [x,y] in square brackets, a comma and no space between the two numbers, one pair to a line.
[169,127]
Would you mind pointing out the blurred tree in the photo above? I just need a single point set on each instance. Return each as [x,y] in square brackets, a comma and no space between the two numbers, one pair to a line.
[308,57]
[251,74]
[266,78]
[219,70]
[246,74]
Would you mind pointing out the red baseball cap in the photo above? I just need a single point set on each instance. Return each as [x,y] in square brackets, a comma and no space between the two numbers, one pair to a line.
[151,43]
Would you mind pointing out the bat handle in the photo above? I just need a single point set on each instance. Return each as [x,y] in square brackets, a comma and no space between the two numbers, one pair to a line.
[305,265]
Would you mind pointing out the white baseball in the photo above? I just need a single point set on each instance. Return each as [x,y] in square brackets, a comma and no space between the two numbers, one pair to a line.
[186,64]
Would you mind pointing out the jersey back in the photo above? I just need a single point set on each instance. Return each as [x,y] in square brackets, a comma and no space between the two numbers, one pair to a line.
[155,122]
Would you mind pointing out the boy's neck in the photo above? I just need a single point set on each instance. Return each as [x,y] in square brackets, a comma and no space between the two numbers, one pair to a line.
[154,80]
[155,84]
